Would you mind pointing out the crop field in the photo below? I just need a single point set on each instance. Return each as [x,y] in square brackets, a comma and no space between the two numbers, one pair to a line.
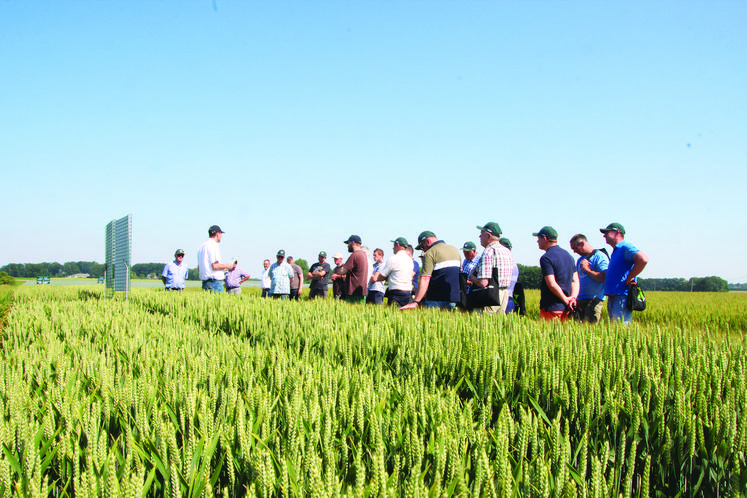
[194,394]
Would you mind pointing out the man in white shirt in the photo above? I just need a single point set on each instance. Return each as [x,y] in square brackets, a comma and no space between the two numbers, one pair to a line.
[399,271]
[211,270]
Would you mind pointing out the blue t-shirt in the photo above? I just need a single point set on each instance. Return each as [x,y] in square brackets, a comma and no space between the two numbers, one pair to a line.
[590,288]
[556,261]
[621,262]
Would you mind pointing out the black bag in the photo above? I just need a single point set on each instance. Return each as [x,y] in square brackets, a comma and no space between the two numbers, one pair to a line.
[485,296]
[636,297]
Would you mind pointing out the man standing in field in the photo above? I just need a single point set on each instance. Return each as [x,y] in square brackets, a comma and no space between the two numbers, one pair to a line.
[626,263]
[338,284]
[265,280]
[495,256]
[319,276]
[511,306]
[354,271]
[235,278]
[469,249]
[211,270]
[439,279]
[376,288]
[296,281]
[592,268]
[281,274]
[559,285]
[398,270]
[175,272]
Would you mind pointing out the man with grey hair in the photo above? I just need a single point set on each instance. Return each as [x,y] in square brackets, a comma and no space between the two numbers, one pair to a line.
[494,257]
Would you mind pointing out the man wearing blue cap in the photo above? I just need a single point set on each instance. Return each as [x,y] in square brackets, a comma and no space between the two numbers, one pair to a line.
[626,263]
[354,271]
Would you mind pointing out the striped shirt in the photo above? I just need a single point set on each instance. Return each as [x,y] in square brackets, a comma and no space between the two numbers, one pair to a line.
[496,256]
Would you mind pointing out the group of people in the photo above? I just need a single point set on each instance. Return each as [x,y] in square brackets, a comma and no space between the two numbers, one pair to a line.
[568,288]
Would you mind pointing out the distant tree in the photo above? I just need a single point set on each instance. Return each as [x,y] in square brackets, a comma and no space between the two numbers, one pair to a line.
[530,276]
[304,268]
[193,274]
[6,279]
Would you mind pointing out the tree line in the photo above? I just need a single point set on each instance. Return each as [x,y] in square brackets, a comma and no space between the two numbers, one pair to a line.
[529,276]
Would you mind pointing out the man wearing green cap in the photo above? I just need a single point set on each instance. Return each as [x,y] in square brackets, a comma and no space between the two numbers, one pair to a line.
[398,270]
[626,263]
[319,275]
[559,286]
[281,274]
[175,272]
[439,279]
[494,256]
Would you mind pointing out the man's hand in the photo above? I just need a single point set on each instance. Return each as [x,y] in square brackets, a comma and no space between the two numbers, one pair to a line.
[584,265]
[410,306]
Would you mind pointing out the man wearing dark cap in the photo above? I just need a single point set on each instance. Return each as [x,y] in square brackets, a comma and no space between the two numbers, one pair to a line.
[281,274]
[626,263]
[511,306]
[439,278]
[319,276]
[354,271]
[211,270]
[398,270]
[559,286]
[175,272]
[495,256]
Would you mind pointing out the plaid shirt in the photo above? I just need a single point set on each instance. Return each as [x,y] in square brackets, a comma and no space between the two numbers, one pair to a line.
[495,256]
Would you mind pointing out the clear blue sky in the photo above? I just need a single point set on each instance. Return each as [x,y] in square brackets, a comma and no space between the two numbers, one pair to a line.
[295,124]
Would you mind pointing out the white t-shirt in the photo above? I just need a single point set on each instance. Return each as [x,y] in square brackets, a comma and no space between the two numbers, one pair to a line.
[207,254]
[399,269]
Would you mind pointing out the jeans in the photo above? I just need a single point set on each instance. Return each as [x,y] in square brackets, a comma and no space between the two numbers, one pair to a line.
[444,305]
[314,293]
[400,298]
[617,309]
[212,285]
[375,297]
[266,292]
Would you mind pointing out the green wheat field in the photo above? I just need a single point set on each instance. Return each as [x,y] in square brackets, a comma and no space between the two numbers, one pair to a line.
[195,394]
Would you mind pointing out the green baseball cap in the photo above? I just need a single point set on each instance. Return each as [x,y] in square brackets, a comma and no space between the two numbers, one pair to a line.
[613,226]
[492,228]
[506,243]
[401,241]
[323,254]
[179,252]
[281,253]
[421,238]
[547,232]
[469,246]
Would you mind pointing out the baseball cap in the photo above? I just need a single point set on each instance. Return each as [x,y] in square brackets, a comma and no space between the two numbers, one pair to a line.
[323,254]
[421,238]
[353,238]
[506,243]
[613,226]
[492,228]
[178,252]
[337,255]
[281,253]
[214,229]
[469,246]
[548,232]
[401,241]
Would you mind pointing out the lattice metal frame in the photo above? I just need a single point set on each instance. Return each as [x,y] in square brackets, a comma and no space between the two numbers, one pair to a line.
[118,255]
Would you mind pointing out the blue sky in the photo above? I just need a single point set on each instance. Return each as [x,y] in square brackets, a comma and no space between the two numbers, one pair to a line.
[295,124]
